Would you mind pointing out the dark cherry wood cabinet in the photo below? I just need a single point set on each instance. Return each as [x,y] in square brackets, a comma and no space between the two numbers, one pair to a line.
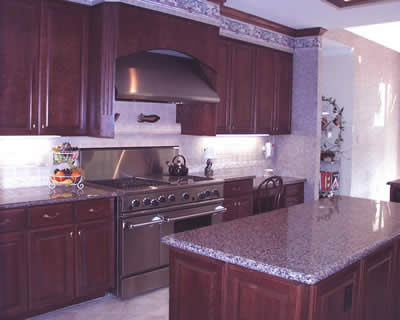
[376,285]
[43,58]
[19,65]
[253,295]
[64,54]
[336,297]
[55,255]
[201,277]
[265,91]
[293,194]
[13,275]
[283,92]
[255,87]
[238,199]
[93,255]
[242,90]
[51,267]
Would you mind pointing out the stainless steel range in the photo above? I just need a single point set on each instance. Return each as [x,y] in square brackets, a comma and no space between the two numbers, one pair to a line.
[151,205]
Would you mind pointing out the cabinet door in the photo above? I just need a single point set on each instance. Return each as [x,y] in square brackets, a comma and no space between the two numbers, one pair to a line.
[51,280]
[264,91]
[283,91]
[242,111]
[336,297]
[19,60]
[244,206]
[376,285]
[94,258]
[253,295]
[13,275]
[224,83]
[64,68]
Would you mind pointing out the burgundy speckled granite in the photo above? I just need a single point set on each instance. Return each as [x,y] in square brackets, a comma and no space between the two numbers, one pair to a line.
[305,243]
[36,196]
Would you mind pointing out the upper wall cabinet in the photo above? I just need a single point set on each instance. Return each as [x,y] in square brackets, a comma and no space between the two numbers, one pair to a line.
[19,64]
[43,55]
[255,86]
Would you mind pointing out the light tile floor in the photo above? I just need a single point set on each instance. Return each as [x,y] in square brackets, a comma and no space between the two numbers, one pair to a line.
[151,306]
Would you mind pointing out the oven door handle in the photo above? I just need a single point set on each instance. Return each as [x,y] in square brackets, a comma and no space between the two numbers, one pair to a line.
[155,220]
[218,210]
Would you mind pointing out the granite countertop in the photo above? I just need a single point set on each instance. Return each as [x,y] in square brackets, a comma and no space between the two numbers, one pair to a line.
[34,196]
[305,243]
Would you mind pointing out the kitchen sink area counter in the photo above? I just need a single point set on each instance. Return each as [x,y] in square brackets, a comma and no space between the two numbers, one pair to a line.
[327,258]
[37,196]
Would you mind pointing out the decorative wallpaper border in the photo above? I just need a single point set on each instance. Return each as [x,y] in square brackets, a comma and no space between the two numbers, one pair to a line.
[209,12]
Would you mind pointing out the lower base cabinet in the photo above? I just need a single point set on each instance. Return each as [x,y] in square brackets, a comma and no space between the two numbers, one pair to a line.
[64,255]
[13,275]
[52,267]
[238,199]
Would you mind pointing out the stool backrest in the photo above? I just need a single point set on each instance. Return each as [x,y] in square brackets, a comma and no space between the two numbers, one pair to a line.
[269,194]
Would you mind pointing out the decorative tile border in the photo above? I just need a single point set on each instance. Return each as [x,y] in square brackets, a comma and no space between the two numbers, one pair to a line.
[244,31]
[209,12]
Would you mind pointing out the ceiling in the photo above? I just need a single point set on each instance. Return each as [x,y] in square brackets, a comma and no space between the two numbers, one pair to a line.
[386,34]
[301,14]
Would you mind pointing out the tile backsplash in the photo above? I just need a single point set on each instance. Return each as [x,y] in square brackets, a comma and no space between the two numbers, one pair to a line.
[24,161]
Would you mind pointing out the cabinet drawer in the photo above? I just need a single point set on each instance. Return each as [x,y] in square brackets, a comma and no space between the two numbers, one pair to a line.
[238,187]
[95,209]
[12,220]
[51,215]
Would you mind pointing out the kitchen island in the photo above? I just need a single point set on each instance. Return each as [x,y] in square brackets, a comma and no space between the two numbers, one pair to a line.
[327,259]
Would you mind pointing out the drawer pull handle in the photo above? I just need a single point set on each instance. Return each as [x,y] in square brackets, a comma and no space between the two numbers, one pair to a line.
[6,221]
[47,216]
[91,210]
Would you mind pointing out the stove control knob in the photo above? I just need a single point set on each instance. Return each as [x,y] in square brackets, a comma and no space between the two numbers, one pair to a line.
[162,198]
[208,193]
[135,203]
[202,196]
[146,201]
[215,193]
[171,197]
[154,203]
[185,196]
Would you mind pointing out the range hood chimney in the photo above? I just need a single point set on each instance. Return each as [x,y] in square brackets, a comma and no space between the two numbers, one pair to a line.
[162,76]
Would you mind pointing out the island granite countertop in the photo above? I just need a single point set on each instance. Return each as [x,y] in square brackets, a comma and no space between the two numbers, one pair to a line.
[305,243]
[36,196]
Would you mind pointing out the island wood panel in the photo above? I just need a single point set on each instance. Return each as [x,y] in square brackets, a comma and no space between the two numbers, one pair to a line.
[64,54]
[376,285]
[19,64]
[202,278]
[253,295]
[13,275]
[336,297]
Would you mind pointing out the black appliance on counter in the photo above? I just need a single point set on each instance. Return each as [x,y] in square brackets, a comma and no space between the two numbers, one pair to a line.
[151,205]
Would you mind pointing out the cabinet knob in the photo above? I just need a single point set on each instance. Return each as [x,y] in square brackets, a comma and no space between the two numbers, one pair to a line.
[42,126]
[71,234]
[34,126]
[79,233]
[91,210]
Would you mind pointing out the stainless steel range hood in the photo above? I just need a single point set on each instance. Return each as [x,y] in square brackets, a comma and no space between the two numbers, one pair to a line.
[162,76]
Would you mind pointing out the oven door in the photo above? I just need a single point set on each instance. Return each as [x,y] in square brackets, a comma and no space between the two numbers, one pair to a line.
[140,244]
[188,219]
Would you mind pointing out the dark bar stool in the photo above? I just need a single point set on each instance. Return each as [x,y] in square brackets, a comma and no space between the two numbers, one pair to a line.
[269,194]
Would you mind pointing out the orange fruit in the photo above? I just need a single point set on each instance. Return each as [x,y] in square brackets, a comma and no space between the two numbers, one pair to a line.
[60,176]
[75,176]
